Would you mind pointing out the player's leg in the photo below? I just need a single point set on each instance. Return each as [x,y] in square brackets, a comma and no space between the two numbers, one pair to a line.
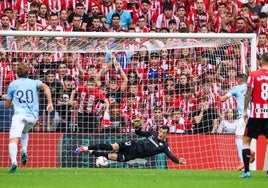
[246,154]
[252,130]
[24,145]
[240,129]
[90,148]
[29,123]
[15,132]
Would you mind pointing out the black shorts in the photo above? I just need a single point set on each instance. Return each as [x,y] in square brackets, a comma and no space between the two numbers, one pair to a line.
[256,127]
[128,150]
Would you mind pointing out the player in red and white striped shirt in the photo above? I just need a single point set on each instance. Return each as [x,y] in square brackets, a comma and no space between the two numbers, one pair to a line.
[257,123]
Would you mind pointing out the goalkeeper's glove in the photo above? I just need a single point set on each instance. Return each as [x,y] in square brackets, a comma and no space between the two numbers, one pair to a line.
[137,123]
[182,161]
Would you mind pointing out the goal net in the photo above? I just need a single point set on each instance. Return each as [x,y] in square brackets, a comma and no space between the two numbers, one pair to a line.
[162,79]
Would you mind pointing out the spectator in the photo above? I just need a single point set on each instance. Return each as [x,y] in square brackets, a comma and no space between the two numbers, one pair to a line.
[4,67]
[10,13]
[164,18]
[262,26]
[115,24]
[262,46]
[12,73]
[64,20]
[115,90]
[79,13]
[23,18]
[95,12]
[230,103]
[216,17]
[229,123]
[249,17]
[154,71]
[88,99]
[183,27]
[148,13]
[61,71]
[31,24]
[5,26]
[150,98]
[125,16]
[131,112]
[254,8]
[186,102]
[71,60]
[95,25]
[65,105]
[76,24]
[55,6]
[198,18]
[23,7]
[167,102]
[54,23]
[141,25]
[56,88]
[178,124]
[172,26]
[157,121]
[113,120]
[87,5]
[106,6]
[205,119]
[4,4]
[43,15]
[46,64]
[181,12]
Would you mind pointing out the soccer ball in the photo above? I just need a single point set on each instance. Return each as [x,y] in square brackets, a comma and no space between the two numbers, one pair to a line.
[101,162]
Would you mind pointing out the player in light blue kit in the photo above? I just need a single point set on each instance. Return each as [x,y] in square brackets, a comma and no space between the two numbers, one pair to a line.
[23,95]
[239,92]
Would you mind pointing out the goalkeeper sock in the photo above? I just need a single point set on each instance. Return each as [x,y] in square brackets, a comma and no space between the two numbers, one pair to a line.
[239,146]
[97,154]
[246,156]
[100,147]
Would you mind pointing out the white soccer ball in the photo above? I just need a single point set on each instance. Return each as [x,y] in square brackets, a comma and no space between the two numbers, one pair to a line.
[101,162]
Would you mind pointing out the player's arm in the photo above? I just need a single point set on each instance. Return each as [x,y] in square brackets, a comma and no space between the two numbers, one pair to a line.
[246,103]
[8,103]
[138,128]
[47,92]
[173,158]
[224,98]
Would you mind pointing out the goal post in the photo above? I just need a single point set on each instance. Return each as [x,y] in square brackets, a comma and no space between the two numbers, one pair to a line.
[160,78]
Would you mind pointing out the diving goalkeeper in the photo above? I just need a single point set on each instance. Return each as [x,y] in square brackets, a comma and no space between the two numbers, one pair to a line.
[153,144]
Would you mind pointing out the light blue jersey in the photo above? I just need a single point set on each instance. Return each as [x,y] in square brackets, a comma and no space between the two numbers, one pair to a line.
[239,92]
[24,95]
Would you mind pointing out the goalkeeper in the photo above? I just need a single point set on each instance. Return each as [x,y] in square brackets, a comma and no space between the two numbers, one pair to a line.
[153,144]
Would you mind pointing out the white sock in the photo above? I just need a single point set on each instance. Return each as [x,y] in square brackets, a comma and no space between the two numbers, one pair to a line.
[239,145]
[24,142]
[13,149]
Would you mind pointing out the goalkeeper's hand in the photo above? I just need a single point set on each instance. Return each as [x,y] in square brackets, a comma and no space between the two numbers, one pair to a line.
[137,123]
[182,161]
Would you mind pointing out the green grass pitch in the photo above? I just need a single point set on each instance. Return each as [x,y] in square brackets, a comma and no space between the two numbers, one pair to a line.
[128,178]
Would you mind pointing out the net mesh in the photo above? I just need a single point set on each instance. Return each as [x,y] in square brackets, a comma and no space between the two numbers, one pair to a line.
[162,81]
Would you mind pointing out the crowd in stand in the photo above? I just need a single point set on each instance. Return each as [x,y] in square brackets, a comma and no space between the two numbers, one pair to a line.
[111,83]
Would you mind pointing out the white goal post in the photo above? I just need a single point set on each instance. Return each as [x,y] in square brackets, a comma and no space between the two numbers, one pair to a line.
[79,53]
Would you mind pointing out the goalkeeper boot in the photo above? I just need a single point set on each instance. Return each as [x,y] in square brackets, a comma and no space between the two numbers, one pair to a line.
[252,156]
[82,149]
[245,175]
[13,168]
[24,158]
